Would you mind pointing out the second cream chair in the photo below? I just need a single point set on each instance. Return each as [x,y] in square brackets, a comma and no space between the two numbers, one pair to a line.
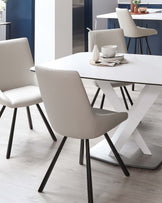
[109,37]
[132,31]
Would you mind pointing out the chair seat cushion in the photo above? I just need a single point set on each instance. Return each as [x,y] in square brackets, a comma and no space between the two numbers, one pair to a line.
[102,111]
[146,31]
[21,97]
[107,120]
[143,32]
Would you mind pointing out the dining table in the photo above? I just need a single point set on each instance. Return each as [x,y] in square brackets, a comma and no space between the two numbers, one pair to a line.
[139,69]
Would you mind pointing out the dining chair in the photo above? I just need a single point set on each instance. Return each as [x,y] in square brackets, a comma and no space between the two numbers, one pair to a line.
[109,37]
[18,86]
[75,118]
[132,31]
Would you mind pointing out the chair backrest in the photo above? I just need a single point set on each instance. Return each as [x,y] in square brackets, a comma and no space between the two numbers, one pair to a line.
[15,61]
[126,22]
[107,37]
[66,102]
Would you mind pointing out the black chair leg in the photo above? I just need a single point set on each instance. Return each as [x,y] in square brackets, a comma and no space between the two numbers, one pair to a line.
[29,118]
[45,179]
[81,152]
[46,123]
[11,134]
[124,99]
[140,46]
[135,51]
[89,175]
[2,110]
[148,48]
[135,46]
[102,101]
[121,163]
[95,97]
[128,43]
[133,87]
[127,93]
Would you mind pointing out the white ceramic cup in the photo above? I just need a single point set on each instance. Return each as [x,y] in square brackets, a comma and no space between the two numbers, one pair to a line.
[109,50]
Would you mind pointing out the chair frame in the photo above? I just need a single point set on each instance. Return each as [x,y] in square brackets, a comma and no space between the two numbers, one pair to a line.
[88,164]
[140,44]
[122,93]
[10,141]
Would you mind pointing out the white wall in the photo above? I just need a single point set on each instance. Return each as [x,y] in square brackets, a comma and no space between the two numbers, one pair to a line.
[63,28]
[102,7]
[3,27]
[44,31]
[53,29]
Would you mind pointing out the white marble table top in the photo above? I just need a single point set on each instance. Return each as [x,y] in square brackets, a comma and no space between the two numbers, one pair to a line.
[154,14]
[5,23]
[143,69]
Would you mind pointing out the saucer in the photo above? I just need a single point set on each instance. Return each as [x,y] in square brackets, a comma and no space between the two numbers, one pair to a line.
[118,57]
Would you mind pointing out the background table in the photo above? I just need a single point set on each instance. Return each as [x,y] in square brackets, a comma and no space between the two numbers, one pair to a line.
[151,20]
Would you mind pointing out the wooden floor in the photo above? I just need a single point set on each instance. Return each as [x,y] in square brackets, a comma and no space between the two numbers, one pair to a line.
[32,152]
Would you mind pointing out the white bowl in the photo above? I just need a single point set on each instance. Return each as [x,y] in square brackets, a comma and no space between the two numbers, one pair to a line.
[109,50]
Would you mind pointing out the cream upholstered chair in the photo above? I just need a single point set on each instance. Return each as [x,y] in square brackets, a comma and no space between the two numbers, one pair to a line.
[132,31]
[75,118]
[109,37]
[18,86]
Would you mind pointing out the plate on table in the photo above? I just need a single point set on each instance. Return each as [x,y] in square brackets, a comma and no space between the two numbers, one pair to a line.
[105,61]
[118,57]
